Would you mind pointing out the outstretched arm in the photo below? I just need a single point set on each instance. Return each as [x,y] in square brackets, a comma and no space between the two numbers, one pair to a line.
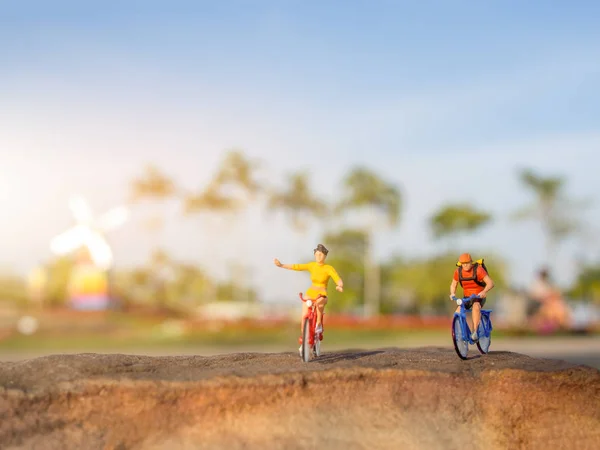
[290,266]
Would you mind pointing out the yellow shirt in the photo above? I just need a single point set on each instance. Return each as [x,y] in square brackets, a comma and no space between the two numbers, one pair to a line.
[319,273]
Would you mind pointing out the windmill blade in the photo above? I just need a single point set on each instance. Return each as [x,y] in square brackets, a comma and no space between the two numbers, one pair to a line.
[113,218]
[99,250]
[68,241]
[80,208]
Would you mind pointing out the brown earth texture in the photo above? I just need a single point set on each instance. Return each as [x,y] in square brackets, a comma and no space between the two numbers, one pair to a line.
[382,399]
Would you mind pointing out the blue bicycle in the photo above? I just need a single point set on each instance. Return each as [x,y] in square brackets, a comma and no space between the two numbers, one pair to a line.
[461,334]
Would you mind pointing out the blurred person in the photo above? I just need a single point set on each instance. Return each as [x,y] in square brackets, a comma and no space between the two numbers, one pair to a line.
[474,280]
[550,309]
[320,273]
[539,291]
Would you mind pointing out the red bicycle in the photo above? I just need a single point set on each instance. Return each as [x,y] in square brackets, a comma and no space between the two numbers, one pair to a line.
[309,323]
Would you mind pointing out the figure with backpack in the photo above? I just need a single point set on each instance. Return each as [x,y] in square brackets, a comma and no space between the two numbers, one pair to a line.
[473,277]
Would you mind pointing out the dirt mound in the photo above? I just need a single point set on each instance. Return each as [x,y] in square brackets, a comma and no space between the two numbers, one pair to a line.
[388,399]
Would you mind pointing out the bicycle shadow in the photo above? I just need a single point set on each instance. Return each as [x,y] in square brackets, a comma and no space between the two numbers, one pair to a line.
[331,358]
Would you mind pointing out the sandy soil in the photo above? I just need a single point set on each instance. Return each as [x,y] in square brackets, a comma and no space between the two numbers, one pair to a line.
[390,398]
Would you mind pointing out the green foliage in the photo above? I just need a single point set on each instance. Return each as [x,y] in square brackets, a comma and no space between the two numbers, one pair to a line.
[229,190]
[228,291]
[211,200]
[552,208]
[169,284]
[238,170]
[406,285]
[13,289]
[152,184]
[298,201]
[425,283]
[587,285]
[366,189]
[59,273]
[347,250]
[456,219]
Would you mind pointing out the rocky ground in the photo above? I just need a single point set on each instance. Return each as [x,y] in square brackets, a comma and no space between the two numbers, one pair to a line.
[390,398]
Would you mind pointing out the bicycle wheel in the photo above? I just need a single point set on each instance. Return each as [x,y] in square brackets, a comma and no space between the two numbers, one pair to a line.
[317,346]
[483,344]
[460,345]
[306,340]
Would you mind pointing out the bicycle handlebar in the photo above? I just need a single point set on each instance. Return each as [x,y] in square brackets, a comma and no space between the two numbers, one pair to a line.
[460,301]
[308,299]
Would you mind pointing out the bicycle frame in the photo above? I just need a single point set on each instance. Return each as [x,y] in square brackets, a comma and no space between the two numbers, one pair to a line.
[462,315]
[311,315]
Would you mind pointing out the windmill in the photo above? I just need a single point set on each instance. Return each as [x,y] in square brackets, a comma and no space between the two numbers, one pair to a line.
[88,282]
[89,233]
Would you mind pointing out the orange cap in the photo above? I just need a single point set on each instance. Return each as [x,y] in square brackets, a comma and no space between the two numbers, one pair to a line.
[465,258]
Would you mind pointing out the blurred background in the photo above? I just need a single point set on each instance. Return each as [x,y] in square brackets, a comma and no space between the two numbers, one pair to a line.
[156,156]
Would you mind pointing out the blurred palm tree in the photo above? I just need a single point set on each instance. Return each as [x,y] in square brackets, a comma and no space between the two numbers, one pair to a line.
[300,205]
[152,184]
[453,220]
[556,213]
[381,201]
[234,187]
[211,200]
[156,186]
[239,171]
[298,201]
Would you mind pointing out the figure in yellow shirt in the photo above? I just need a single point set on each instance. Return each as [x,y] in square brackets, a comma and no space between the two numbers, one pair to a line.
[320,273]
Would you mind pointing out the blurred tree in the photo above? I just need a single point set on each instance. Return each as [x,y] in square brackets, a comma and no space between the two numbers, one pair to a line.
[381,201]
[182,289]
[424,283]
[188,286]
[301,206]
[298,201]
[227,291]
[348,249]
[587,284]
[234,184]
[133,288]
[152,184]
[239,171]
[556,213]
[453,220]
[233,187]
[59,274]
[211,200]
[13,289]
[157,187]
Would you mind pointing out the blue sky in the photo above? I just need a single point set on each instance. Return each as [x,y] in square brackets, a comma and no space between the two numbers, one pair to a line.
[434,95]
